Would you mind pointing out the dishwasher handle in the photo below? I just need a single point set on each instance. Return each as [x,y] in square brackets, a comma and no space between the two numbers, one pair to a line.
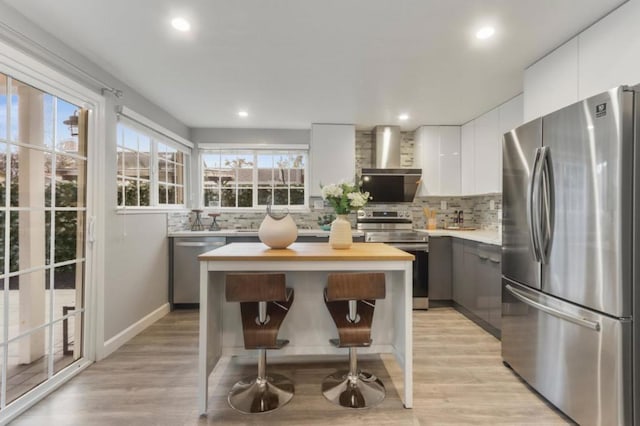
[199,244]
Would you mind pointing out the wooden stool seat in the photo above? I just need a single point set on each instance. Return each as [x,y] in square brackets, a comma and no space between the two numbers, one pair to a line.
[350,299]
[264,302]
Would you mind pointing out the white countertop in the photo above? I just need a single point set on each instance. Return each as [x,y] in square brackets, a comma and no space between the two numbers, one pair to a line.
[252,233]
[479,235]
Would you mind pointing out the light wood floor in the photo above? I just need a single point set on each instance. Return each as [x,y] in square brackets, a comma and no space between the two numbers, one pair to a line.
[459,379]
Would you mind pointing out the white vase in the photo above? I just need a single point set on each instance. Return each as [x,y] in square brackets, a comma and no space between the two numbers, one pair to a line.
[278,232]
[340,236]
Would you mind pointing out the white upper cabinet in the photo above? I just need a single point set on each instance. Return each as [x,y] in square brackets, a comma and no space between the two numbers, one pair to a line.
[467,160]
[437,153]
[552,82]
[450,160]
[427,157]
[608,51]
[332,155]
[488,153]
[511,114]
[481,148]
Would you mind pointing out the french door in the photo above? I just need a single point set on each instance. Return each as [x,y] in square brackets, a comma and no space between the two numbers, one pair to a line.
[43,193]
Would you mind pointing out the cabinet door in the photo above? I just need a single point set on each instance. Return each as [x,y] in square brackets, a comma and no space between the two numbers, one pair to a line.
[494,286]
[552,82]
[469,294]
[427,158]
[467,159]
[457,270]
[332,155]
[607,51]
[511,114]
[488,153]
[449,160]
[440,267]
[488,290]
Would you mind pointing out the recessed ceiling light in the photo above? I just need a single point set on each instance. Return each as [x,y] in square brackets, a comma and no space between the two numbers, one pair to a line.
[243,113]
[485,32]
[180,24]
[403,117]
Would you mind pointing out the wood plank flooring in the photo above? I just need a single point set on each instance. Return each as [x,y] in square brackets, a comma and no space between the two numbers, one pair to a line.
[459,379]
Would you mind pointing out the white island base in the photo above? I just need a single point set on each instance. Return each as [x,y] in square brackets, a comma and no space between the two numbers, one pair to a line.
[308,325]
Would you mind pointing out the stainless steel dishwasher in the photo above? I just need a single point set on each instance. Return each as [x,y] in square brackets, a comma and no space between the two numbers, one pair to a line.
[184,291]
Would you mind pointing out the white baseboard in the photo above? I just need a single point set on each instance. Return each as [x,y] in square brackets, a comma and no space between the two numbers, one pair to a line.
[130,332]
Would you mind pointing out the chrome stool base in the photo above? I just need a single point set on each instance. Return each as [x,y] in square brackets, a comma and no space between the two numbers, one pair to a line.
[256,395]
[361,391]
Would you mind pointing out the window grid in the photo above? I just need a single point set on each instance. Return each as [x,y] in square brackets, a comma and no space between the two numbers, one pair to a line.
[253,178]
[150,173]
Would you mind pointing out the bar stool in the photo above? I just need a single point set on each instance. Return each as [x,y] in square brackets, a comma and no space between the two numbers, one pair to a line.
[264,302]
[350,298]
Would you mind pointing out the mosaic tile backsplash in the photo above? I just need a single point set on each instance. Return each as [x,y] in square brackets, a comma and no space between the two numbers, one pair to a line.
[477,212]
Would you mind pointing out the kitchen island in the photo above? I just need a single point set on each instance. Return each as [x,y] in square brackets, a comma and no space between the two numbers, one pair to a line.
[308,325]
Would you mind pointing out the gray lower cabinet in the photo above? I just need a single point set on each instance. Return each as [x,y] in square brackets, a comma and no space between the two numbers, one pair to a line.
[476,282]
[457,276]
[464,286]
[440,269]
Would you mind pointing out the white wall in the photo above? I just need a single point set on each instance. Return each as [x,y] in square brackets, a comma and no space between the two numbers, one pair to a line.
[136,263]
[603,56]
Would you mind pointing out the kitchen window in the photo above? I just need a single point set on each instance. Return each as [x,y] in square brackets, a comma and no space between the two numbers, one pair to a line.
[151,168]
[254,178]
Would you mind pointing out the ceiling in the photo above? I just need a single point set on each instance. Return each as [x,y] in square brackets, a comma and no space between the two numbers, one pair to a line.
[291,63]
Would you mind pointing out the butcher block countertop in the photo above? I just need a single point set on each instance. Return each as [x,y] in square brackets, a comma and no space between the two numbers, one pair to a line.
[306,252]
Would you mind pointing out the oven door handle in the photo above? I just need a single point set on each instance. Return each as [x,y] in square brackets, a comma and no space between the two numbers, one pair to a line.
[411,246]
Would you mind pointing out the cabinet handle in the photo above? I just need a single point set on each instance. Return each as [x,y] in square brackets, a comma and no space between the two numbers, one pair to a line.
[483,257]
[494,260]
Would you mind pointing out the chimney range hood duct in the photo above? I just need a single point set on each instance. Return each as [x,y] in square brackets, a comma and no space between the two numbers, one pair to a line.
[387,147]
[388,182]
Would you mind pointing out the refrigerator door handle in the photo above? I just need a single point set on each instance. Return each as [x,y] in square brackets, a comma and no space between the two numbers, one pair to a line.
[548,203]
[532,207]
[552,311]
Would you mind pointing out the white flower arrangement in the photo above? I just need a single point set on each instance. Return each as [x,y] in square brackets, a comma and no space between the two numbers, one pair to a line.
[344,197]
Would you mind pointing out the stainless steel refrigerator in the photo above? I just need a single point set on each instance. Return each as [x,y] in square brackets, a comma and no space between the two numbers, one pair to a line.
[571,256]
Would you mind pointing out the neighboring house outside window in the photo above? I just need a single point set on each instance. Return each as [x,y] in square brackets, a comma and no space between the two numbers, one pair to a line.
[252,178]
[151,169]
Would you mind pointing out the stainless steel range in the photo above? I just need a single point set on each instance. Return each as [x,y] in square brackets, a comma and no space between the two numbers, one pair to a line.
[395,227]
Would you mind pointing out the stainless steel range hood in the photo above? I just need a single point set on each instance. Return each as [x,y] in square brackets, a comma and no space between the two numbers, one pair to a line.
[387,140]
[388,182]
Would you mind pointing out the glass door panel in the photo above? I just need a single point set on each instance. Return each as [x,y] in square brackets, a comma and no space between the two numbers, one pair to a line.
[43,185]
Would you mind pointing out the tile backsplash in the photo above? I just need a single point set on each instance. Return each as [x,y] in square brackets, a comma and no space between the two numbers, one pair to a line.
[477,212]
